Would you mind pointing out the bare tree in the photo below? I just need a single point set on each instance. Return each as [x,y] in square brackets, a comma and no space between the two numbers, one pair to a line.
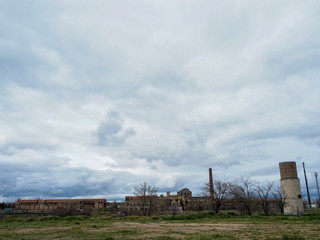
[220,194]
[281,198]
[243,193]
[147,196]
[2,206]
[263,193]
[113,208]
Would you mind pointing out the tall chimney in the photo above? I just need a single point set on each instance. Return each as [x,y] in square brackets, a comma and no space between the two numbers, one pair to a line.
[211,183]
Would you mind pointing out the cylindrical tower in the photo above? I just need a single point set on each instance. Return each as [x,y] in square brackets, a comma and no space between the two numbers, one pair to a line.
[316,176]
[290,188]
[211,183]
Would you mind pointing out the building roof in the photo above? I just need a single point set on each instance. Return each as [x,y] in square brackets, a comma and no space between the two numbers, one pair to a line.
[185,189]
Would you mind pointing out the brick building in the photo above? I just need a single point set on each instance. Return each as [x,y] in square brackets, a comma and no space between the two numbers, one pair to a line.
[51,205]
[182,201]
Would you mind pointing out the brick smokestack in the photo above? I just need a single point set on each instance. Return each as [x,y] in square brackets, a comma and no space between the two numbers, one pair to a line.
[211,183]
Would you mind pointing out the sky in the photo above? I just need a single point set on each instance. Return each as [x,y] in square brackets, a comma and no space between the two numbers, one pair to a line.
[99,96]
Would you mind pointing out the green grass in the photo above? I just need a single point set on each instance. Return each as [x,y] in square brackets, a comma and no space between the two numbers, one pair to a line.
[162,227]
[189,218]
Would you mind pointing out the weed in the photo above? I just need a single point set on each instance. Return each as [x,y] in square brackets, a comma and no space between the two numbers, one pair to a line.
[286,237]
[109,238]
[294,237]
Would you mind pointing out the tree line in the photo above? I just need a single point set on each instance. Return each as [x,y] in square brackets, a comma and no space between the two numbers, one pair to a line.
[244,196]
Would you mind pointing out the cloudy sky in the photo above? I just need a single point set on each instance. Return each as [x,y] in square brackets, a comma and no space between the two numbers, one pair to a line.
[99,96]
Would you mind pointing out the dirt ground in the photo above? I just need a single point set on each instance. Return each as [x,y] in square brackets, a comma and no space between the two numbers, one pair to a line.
[241,230]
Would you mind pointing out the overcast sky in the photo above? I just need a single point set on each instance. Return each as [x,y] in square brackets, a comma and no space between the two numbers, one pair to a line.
[99,96]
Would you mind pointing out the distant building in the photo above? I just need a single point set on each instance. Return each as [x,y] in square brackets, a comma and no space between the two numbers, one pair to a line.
[51,205]
[182,201]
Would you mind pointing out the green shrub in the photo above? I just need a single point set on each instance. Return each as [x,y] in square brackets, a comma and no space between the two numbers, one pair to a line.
[295,237]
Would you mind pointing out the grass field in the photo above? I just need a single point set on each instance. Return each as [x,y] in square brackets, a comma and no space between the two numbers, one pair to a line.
[198,226]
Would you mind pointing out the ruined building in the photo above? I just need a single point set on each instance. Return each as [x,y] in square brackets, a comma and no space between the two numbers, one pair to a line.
[182,201]
[54,205]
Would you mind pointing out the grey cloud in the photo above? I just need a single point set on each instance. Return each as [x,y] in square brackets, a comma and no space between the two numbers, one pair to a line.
[23,180]
[197,84]
[310,132]
[12,148]
[266,171]
[111,131]
[298,63]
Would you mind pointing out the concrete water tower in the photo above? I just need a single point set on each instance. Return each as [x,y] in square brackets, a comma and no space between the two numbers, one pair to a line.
[290,188]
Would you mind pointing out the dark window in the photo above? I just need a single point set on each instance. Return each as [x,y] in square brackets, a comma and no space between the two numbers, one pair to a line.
[299,196]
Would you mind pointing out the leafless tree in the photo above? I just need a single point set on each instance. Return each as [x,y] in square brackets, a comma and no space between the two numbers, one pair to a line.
[113,208]
[243,193]
[220,194]
[147,196]
[281,198]
[263,192]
